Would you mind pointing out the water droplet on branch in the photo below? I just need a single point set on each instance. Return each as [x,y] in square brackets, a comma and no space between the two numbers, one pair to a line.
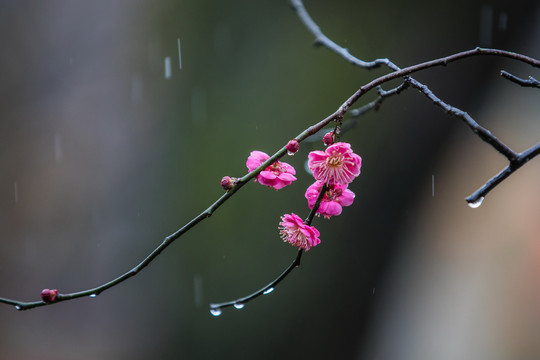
[268,291]
[93,295]
[239,305]
[477,203]
[215,311]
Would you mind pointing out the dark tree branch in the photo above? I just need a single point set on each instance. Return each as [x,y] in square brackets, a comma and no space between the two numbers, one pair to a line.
[356,113]
[217,308]
[521,159]
[515,159]
[323,40]
[480,131]
[531,82]
[22,305]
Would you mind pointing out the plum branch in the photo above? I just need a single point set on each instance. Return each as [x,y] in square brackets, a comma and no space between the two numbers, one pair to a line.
[516,160]
[530,82]
[216,309]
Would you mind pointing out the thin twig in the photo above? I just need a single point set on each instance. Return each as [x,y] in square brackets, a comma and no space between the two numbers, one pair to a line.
[531,82]
[239,303]
[480,131]
[521,159]
[356,113]
[217,308]
[22,305]
[514,158]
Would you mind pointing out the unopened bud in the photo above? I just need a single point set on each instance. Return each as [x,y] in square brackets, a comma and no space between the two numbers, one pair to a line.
[292,147]
[49,296]
[328,138]
[227,182]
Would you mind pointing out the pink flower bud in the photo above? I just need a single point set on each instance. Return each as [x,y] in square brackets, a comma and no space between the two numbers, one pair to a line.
[49,296]
[292,147]
[227,183]
[328,138]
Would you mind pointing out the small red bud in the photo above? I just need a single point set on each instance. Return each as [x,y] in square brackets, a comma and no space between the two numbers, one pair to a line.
[227,182]
[49,296]
[328,138]
[292,147]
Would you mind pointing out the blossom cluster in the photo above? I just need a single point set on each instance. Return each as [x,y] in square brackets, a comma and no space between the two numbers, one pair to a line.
[333,169]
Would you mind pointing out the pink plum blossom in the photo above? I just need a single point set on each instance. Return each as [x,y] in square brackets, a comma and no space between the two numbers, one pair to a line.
[338,164]
[333,199]
[294,231]
[277,176]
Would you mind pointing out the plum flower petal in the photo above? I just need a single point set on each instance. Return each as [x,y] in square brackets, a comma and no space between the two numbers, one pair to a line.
[294,231]
[255,159]
[333,200]
[338,164]
[277,176]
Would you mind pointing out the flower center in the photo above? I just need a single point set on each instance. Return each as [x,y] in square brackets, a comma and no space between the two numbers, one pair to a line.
[333,193]
[335,160]
[294,236]
[276,168]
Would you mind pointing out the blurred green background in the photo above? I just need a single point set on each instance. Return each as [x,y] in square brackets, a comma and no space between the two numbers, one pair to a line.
[104,152]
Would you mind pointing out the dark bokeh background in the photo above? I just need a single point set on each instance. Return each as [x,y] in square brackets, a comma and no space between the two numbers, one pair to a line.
[103,153]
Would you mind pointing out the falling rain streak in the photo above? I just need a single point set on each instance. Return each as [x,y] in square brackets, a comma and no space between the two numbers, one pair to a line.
[198,106]
[432,185]
[197,290]
[486,24]
[503,21]
[58,152]
[179,55]
[136,88]
[16,191]
[168,73]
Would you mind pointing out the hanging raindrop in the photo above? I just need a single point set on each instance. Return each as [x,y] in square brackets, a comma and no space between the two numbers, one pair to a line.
[93,295]
[239,305]
[268,291]
[17,307]
[215,311]
[477,203]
